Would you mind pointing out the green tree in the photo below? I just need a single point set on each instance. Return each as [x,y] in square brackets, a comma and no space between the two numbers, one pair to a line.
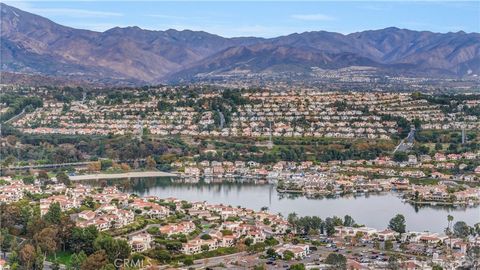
[337,260]
[188,261]
[81,239]
[397,224]
[298,266]
[39,259]
[77,260]
[116,249]
[388,245]
[161,255]
[205,237]
[449,225]
[329,226]
[174,246]
[348,221]
[271,253]
[461,229]
[288,255]
[248,241]
[472,258]
[62,177]
[400,156]
[54,213]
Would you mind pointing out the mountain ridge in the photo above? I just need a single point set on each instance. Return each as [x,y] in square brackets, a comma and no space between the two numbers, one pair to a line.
[33,44]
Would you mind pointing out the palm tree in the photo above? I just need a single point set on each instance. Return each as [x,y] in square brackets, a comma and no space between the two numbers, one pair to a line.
[449,232]
[450,219]
[292,218]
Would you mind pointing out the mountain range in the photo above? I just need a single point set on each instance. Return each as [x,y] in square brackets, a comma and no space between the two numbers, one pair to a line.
[31,44]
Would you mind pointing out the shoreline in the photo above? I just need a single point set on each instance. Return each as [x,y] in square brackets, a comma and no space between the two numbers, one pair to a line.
[127,175]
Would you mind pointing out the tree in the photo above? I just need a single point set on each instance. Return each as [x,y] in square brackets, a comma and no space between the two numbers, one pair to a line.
[106,163]
[393,263]
[47,239]
[151,163]
[298,266]
[472,258]
[461,229]
[39,259]
[94,166]
[77,260]
[161,255]
[449,219]
[116,249]
[27,256]
[348,221]
[400,156]
[271,253]
[388,245]
[188,261]
[54,213]
[337,260]
[43,175]
[108,267]
[288,255]
[174,246]
[397,224]
[64,229]
[62,177]
[82,239]
[329,226]
[95,261]
[205,237]
[449,225]
[248,241]
[205,247]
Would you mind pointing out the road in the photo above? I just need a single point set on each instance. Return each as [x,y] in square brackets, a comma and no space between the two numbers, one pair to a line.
[405,146]
[15,117]
[62,165]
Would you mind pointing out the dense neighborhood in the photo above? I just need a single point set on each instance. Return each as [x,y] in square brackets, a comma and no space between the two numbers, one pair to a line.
[169,230]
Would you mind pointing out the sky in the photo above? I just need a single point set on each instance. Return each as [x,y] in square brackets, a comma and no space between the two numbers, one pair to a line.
[261,19]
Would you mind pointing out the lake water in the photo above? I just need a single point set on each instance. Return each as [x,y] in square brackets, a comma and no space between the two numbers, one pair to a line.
[374,210]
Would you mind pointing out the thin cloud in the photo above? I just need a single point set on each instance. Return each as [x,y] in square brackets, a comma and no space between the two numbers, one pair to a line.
[313,17]
[76,13]
[163,16]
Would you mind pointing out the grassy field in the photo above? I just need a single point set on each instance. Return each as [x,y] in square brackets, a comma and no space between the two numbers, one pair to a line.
[63,257]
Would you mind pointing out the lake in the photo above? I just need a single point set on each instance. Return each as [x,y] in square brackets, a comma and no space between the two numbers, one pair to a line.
[374,210]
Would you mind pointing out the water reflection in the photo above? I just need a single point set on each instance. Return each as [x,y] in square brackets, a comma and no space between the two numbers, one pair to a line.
[374,210]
